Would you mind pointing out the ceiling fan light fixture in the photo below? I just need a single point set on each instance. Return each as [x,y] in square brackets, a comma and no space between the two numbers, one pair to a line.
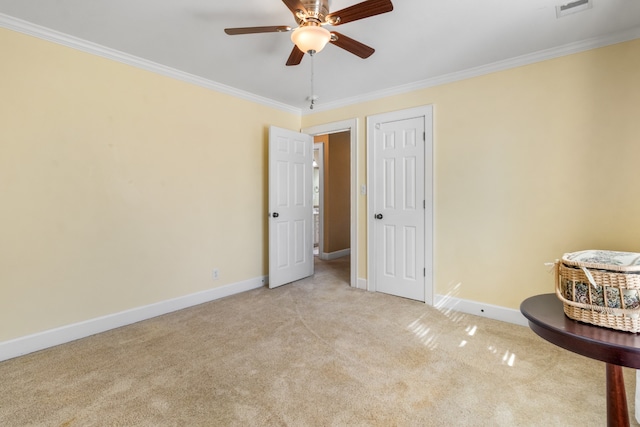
[310,38]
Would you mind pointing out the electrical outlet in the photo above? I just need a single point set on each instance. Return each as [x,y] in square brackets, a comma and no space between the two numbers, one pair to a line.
[215,274]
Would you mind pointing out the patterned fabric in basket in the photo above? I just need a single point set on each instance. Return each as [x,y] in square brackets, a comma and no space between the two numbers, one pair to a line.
[631,296]
[579,292]
[625,260]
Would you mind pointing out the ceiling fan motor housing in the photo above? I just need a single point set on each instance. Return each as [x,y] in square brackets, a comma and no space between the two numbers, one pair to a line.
[317,10]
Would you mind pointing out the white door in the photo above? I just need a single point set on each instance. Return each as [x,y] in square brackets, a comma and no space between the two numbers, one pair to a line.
[290,206]
[398,207]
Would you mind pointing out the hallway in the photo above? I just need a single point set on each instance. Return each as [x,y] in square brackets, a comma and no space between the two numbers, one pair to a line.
[332,271]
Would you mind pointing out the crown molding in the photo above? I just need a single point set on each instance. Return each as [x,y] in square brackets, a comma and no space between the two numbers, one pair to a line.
[519,61]
[40,32]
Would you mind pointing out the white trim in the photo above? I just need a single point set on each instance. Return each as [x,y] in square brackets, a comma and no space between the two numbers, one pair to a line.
[425,111]
[335,255]
[518,61]
[350,125]
[320,147]
[64,334]
[31,29]
[429,200]
[361,283]
[445,303]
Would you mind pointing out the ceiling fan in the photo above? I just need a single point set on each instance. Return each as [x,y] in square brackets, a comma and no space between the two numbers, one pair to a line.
[312,15]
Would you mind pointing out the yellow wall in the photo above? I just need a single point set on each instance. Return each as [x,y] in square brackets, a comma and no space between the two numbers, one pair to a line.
[120,187]
[337,203]
[530,163]
[337,196]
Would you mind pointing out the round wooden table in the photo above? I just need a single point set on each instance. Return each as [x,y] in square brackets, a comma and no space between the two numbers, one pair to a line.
[616,348]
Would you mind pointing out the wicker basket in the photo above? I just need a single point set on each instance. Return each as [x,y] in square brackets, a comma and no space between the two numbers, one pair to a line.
[601,288]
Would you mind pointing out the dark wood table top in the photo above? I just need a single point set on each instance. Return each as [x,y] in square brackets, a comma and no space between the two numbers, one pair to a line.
[547,319]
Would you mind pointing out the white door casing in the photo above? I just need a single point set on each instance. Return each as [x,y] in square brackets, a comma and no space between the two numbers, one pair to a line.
[400,204]
[319,147]
[290,206]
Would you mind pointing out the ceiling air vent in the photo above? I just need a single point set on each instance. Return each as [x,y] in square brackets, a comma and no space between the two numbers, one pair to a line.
[573,7]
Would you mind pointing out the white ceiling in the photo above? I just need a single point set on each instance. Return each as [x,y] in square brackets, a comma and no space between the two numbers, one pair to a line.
[419,40]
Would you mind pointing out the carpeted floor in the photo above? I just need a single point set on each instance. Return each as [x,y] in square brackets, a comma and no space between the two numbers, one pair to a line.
[312,353]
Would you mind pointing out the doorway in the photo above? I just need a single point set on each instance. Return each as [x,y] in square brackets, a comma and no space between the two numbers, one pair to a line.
[334,152]
[349,126]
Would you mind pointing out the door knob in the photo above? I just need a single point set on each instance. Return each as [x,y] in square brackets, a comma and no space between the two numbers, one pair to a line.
[276,215]
[378,216]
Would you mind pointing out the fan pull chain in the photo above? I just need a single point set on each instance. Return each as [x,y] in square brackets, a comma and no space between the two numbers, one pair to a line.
[313,97]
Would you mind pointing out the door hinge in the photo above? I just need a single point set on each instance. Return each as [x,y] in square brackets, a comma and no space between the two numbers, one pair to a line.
[424,204]
[424,136]
[424,272]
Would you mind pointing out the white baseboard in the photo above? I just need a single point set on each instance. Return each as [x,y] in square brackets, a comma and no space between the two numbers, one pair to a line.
[41,340]
[336,254]
[495,312]
[509,315]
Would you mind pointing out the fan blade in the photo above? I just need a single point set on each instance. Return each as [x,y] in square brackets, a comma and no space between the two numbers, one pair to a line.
[296,56]
[359,11]
[295,6]
[351,45]
[254,30]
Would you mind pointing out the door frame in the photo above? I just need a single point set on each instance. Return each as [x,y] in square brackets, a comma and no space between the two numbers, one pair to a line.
[350,125]
[425,111]
[320,147]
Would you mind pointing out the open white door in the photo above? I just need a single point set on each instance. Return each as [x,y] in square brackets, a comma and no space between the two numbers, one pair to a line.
[290,206]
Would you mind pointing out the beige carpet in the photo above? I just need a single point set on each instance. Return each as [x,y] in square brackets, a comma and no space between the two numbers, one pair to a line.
[312,353]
